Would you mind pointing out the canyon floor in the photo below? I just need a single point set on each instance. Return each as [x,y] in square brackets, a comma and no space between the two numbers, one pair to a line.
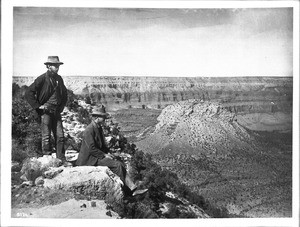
[246,183]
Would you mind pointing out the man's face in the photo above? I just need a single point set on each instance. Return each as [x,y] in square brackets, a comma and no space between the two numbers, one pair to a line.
[54,68]
[100,120]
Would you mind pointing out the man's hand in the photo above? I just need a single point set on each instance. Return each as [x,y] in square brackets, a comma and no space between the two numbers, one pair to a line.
[110,156]
[42,107]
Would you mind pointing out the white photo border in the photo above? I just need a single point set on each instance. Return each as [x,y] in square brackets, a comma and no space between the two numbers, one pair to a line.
[6,91]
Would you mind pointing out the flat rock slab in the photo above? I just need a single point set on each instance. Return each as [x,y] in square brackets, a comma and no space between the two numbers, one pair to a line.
[89,180]
[69,209]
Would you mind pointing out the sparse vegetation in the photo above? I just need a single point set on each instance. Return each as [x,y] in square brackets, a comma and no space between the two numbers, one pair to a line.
[159,181]
[26,140]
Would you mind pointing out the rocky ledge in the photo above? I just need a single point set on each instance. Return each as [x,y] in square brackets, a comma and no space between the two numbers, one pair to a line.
[98,182]
[95,181]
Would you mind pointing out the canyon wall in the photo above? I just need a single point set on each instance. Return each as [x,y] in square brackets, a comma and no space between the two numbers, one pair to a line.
[237,94]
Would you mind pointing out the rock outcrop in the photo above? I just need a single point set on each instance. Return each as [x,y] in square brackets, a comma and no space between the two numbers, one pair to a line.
[98,181]
[33,168]
[197,125]
[72,126]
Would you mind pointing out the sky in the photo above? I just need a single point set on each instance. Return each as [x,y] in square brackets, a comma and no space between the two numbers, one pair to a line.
[154,42]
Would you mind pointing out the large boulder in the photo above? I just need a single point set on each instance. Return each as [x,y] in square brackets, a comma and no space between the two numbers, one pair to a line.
[95,181]
[35,167]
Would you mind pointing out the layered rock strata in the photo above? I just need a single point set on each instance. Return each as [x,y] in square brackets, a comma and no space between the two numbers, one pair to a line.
[238,94]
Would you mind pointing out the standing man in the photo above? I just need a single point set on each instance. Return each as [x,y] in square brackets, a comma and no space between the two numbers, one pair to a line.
[94,151]
[48,96]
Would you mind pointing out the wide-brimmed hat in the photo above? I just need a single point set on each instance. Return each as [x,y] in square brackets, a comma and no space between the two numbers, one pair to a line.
[99,111]
[53,60]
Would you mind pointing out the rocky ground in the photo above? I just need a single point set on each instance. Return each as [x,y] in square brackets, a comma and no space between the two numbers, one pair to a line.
[61,192]
[72,208]
[34,190]
[56,198]
[42,188]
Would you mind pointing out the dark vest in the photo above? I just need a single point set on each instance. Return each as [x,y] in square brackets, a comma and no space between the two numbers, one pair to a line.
[55,98]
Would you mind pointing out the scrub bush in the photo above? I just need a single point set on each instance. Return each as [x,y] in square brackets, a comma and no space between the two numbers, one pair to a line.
[26,139]
[159,181]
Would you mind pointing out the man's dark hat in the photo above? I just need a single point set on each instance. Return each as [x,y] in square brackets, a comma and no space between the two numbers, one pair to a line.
[53,60]
[99,111]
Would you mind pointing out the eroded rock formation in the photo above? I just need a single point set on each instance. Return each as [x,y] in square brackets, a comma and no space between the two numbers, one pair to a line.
[228,164]
[196,125]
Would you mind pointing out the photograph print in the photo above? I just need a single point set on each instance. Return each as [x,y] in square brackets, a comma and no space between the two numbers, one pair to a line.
[132,112]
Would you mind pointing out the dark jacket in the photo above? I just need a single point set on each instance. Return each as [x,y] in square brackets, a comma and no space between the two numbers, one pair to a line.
[93,146]
[39,92]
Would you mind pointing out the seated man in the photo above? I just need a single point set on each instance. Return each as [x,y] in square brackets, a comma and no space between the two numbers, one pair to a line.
[94,151]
